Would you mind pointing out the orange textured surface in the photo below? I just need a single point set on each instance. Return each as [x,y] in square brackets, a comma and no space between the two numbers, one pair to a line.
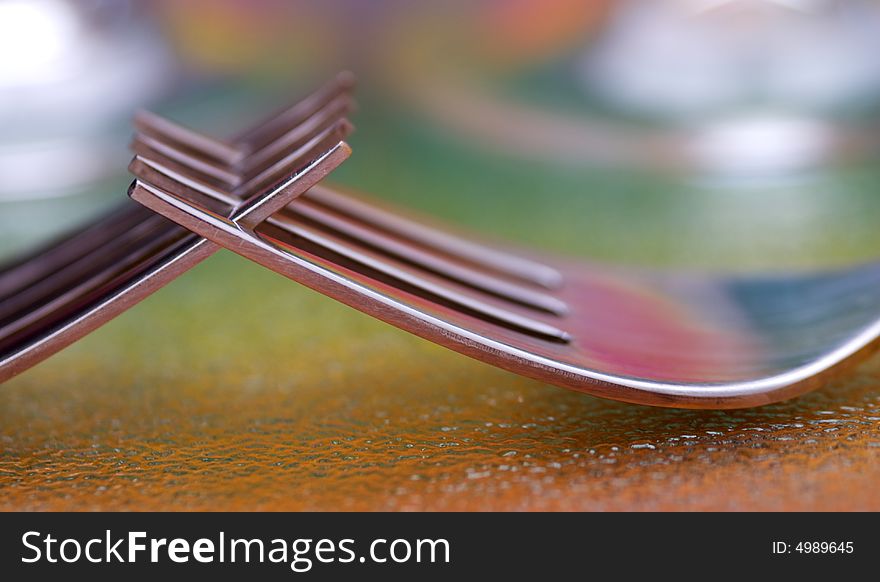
[237,412]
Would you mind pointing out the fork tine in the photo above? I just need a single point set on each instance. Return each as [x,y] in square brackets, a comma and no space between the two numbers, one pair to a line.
[165,138]
[340,107]
[86,282]
[31,286]
[420,232]
[222,176]
[428,260]
[148,162]
[218,175]
[65,325]
[250,141]
[415,231]
[228,233]
[261,205]
[269,175]
[91,276]
[34,340]
[433,288]
[148,123]
[438,290]
[154,186]
[52,257]
[182,169]
[320,162]
[195,188]
[95,270]
[56,282]
[68,248]
[165,173]
[278,123]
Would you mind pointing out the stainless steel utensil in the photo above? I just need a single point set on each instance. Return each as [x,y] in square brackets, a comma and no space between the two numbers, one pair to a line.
[665,339]
[65,290]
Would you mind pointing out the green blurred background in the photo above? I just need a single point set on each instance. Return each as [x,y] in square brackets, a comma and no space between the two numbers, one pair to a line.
[444,87]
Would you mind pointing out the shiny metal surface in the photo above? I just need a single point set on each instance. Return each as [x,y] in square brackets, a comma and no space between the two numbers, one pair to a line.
[665,339]
[60,293]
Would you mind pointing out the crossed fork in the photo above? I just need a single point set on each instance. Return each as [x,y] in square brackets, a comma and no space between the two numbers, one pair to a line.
[653,338]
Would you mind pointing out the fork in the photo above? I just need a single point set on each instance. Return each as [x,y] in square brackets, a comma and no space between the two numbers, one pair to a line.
[60,293]
[658,338]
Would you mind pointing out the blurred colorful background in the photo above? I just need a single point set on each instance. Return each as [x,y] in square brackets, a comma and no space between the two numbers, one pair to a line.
[745,127]
[734,135]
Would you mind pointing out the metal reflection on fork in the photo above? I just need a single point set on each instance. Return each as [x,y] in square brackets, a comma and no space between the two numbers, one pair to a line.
[67,289]
[667,339]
